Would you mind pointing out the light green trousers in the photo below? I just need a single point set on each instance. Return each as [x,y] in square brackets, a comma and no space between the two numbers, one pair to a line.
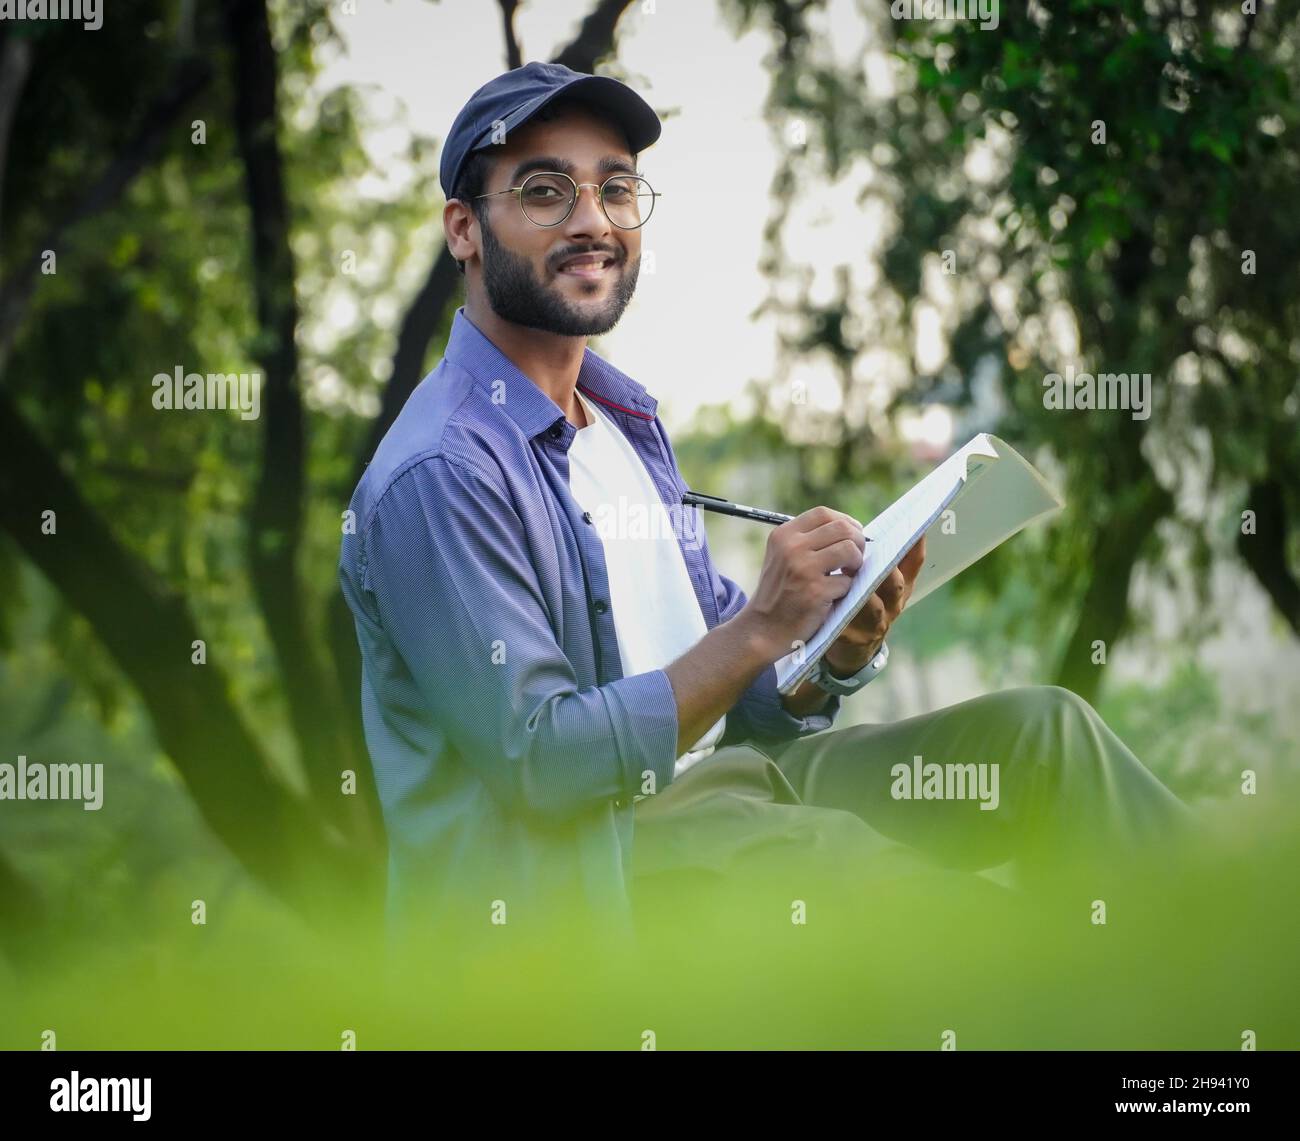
[1029,777]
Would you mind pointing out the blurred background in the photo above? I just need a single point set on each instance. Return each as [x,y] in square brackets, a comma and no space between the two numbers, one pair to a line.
[878,235]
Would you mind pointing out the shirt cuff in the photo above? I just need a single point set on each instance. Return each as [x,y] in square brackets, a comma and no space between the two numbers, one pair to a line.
[768,720]
[643,710]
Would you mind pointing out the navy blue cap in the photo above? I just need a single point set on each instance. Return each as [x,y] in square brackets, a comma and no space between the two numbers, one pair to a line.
[515,97]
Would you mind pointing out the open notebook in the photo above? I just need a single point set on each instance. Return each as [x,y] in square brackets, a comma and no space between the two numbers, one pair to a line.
[992,491]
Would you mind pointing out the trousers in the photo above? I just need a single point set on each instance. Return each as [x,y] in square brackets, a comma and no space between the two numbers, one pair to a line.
[1026,777]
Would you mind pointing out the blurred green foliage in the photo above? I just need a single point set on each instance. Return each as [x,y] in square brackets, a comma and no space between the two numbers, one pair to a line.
[1196,957]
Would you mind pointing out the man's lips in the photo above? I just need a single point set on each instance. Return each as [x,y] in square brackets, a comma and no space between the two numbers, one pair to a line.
[587,265]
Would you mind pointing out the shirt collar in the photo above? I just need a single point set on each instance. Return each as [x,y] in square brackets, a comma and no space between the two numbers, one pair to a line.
[527,405]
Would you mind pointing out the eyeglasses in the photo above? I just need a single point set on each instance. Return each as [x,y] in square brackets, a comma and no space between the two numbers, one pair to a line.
[547,198]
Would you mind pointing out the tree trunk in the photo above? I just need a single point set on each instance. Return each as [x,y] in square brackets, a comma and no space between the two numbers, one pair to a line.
[275,518]
[1265,551]
[1103,613]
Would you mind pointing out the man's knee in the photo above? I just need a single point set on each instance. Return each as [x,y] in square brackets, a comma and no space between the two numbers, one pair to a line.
[1071,740]
[1050,701]
[1053,713]
[1056,729]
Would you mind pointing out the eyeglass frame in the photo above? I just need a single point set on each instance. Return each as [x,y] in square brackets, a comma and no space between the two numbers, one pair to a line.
[577,192]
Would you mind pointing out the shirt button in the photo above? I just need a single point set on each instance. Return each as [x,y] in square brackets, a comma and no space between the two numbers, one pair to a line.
[586,516]
[556,432]
[600,606]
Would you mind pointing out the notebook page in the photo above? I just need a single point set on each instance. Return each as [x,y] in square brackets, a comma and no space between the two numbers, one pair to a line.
[986,513]
[890,535]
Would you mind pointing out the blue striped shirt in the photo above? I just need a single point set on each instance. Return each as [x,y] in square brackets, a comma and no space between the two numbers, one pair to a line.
[507,744]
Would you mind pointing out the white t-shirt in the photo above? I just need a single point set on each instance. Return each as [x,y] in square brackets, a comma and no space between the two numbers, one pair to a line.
[656,615]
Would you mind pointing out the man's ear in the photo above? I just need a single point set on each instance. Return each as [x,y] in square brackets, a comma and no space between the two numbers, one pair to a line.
[458,228]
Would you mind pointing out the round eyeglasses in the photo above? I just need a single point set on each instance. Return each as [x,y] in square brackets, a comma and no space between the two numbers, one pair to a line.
[547,198]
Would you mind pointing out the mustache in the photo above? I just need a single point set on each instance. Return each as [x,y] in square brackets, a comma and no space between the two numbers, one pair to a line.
[613,254]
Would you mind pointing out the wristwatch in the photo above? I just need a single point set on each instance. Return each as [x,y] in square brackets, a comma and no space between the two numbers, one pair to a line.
[827,682]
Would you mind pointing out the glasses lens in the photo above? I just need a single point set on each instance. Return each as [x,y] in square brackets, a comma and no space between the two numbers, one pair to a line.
[628,201]
[546,198]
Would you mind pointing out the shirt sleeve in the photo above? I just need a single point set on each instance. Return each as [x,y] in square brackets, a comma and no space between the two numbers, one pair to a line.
[451,583]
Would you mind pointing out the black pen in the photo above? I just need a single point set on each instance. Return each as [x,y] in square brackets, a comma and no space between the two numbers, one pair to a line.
[726,507]
[739,510]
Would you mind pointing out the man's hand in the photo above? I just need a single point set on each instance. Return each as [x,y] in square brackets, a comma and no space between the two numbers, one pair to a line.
[795,588]
[794,593]
[863,636]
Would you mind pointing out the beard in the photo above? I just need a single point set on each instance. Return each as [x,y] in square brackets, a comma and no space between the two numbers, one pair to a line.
[516,295]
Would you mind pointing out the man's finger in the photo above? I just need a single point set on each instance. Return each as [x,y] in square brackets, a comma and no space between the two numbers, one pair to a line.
[910,564]
[835,531]
[819,516]
[891,592]
[871,618]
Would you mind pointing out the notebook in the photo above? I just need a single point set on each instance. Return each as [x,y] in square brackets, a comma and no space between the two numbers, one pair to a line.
[976,499]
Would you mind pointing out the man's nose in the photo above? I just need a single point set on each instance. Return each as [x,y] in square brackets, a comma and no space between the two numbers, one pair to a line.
[588,215]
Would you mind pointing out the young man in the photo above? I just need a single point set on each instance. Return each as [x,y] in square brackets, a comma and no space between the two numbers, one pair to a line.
[556,705]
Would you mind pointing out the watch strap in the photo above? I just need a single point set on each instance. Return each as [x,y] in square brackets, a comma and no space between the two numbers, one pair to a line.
[826,681]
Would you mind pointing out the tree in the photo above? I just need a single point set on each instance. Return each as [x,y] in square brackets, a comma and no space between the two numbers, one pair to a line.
[1102,184]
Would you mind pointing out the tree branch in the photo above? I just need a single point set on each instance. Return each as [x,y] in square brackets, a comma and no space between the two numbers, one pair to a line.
[595,38]
[189,78]
[15,66]
[514,53]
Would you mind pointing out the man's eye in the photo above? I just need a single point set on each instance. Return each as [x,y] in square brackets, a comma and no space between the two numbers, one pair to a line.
[542,193]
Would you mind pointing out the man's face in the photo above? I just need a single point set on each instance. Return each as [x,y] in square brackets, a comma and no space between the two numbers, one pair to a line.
[521,261]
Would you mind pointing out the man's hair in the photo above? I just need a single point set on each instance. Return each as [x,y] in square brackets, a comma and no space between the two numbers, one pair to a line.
[474,174]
